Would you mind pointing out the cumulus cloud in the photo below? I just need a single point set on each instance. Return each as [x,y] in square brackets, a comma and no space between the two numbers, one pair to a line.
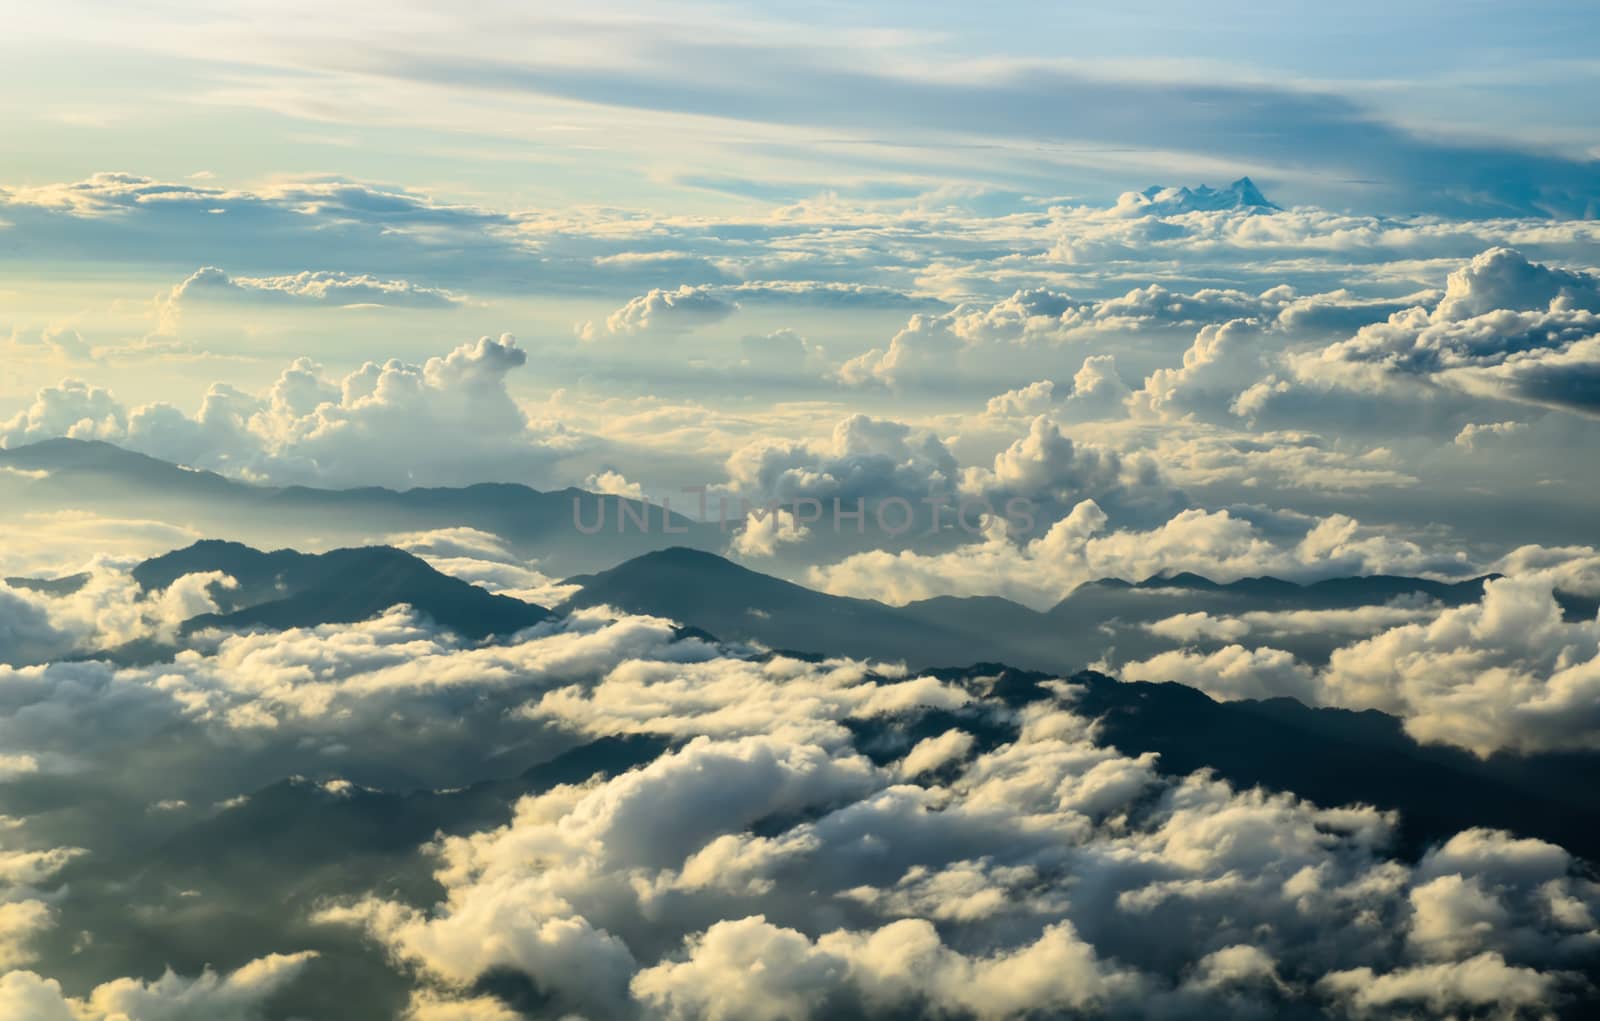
[26,909]
[764,532]
[307,288]
[1502,278]
[1078,548]
[1199,625]
[238,996]
[1222,359]
[1509,671]
[1097,392]
[1505,328]
[1485,981]
[662,313]
[448,420]
[881,844]
[865,458]
[1047,471]
[877,892]
[910,482]
[72,408]
[937,346]
[1481,435]
[105,608]
[750,968]
[613,483]
[1229,673]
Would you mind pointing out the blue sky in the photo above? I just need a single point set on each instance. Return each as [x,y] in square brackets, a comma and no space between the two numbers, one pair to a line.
[1401,106]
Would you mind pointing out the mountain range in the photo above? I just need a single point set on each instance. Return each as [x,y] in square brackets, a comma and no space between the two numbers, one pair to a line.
[73,473]
[1241,194]
[706,591]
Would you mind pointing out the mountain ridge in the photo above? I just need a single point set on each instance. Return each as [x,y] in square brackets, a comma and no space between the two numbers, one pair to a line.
[286,589]
[536,523]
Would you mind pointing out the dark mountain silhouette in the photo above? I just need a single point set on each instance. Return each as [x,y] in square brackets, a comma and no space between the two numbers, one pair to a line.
[63,586]
[536,523]
[1195,592]
[1117,611]
[285,589]
[709,594]
[706,591]
[734,603]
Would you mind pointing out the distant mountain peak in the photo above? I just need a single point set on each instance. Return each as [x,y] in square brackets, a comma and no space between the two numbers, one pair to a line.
[1241,194]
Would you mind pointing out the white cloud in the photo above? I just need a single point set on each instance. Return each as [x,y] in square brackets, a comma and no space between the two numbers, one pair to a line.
[448,420]
[763,533]
[1506,328]
[662,313]
[1078,548]
[485,560]
[649,892]
[1232,672]
[1506,672]
[307,288]
[237,996]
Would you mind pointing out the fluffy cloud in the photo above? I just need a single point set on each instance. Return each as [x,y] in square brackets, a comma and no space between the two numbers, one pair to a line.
[1502,278]
[1078,548]
[752,969]
[866,458]
[1197,626]
[1229,673]
[213,285]
[73,408]
[1483,982]
[1048,471]
[662,313]
[1033,480]
[25,909]
[1507,672]
[764,532]
[1506,328]
[1222,358]
[1512,671]
[448,420]
[238,996]
[1097,392]
[933,347]
[656,894]
[104,609]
